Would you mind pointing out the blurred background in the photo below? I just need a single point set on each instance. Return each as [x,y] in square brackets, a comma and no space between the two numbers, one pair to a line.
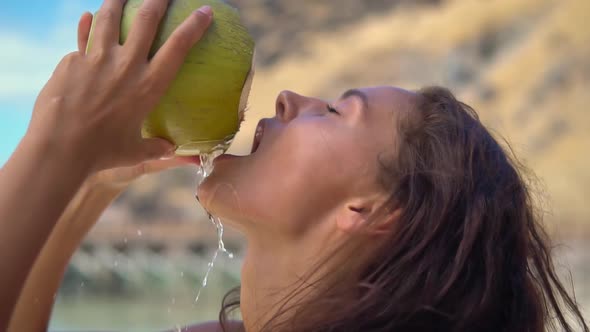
[524,65]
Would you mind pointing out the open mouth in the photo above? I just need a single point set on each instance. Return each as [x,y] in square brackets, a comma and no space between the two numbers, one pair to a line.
[258,136]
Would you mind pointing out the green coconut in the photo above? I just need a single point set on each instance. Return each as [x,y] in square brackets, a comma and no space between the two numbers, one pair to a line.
[204,107]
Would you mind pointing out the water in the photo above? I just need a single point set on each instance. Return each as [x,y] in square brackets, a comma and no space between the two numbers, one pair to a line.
[89,310]
[204,171]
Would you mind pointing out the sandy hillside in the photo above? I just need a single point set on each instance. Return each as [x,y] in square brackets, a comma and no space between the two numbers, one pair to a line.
[523,64]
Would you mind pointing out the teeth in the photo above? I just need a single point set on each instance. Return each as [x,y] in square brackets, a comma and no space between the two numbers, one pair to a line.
[259,131]
[257,137]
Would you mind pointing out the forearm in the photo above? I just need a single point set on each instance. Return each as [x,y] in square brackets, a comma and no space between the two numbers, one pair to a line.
[33,309]
[36,185]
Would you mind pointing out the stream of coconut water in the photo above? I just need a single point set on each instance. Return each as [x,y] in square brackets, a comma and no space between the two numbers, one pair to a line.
[205,169]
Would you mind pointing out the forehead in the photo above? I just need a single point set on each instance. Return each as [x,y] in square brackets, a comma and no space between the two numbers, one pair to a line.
[377,130]
[386,103]
[386,106]
[388,99]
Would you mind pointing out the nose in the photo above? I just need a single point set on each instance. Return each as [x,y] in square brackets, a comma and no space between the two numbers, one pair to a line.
[288,105]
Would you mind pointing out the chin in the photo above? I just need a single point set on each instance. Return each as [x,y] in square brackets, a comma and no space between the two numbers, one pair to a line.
[222,199]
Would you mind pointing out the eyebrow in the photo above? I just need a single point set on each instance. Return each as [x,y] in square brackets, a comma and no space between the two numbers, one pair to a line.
[357,93]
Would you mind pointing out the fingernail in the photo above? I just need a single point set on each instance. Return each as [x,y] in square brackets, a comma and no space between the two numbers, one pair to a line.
[206,10]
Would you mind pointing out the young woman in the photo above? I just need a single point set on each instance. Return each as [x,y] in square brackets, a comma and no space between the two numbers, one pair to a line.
[383,210]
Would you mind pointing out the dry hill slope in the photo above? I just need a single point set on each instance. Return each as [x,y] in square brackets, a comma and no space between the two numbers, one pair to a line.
[523,64]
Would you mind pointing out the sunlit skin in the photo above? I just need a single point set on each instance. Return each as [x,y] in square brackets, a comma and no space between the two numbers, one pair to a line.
[311,182]
[309,192]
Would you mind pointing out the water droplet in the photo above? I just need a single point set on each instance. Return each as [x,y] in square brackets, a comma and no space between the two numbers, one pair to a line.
[205,169]
[181,274]
[139,233]
[125,240]
[115,263]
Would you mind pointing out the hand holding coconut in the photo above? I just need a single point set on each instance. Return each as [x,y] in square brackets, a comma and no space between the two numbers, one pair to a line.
[87,118]
[98,101]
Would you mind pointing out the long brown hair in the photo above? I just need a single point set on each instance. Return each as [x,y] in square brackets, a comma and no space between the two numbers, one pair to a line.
[468,252]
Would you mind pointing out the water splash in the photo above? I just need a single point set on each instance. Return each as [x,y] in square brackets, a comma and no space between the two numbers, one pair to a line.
[204,171]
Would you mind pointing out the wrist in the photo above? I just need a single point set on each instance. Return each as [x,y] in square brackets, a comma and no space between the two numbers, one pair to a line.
[45,138]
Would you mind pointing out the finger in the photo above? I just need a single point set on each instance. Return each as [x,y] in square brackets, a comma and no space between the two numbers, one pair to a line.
[84,31]
[149,167]
[154,166]
[145,25]
[195,160]
[171,55]
[108,24]
[154,148]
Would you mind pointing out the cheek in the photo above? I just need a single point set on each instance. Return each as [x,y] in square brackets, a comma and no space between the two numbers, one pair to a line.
[302,157]
[300,176]
[304,173]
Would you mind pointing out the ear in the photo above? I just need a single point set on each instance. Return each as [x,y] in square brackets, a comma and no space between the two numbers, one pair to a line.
[358,213]
[351,217]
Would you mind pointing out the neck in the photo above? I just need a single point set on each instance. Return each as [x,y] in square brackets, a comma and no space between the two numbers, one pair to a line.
[272,277]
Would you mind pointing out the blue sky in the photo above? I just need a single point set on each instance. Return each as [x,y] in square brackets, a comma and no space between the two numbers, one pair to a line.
[34,36]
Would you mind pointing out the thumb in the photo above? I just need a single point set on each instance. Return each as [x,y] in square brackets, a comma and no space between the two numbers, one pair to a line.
[155,148]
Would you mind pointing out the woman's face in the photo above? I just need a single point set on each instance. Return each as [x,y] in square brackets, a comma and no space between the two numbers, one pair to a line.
[314,161]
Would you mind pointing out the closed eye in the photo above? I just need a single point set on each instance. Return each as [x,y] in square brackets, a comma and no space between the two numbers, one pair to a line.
[332,109]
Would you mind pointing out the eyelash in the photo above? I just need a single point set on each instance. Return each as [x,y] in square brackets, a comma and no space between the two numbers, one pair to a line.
[332,109]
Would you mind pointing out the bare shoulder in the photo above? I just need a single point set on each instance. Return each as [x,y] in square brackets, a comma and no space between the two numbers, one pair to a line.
[213,326]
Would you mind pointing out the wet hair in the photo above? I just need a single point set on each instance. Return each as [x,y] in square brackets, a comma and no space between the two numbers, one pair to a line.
[466,252]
